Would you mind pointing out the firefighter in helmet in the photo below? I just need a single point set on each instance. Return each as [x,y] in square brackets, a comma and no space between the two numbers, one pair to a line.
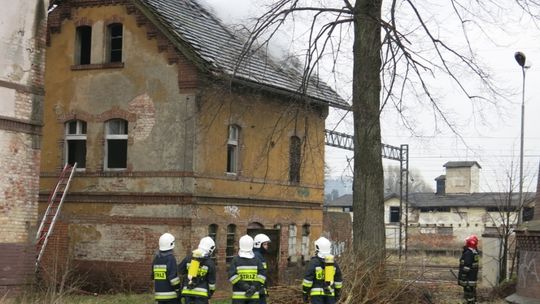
[164,272]
[468,268]
[322,279]
[198,273]
[261,243]
[246,274]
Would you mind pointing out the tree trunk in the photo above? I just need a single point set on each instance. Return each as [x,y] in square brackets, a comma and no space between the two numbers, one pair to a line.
[368,184]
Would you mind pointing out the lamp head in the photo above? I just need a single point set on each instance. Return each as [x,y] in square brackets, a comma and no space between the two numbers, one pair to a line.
[522,60]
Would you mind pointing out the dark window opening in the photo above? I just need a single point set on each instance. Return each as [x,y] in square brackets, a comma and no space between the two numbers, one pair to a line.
[115,42]
[295,159]
[117,140]
[231,239]
[528,213]
[394,215]
[212,232]
[232,149]
[77,153]
[84,44]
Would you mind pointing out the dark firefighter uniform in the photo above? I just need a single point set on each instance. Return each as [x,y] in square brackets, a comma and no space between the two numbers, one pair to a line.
[165,275]
[263,293]
[247,276]
[468,273]
[314,284]
[204,285]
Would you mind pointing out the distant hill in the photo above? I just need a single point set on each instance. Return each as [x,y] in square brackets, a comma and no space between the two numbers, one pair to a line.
[343,185]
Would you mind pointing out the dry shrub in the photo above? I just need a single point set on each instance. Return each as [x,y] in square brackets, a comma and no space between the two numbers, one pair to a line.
[365,281]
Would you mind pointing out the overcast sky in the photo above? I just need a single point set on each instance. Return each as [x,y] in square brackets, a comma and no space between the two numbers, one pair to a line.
[491,136]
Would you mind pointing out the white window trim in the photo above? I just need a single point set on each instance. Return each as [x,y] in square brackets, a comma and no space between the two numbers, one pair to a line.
[77,136]
[112,136]
[233,141]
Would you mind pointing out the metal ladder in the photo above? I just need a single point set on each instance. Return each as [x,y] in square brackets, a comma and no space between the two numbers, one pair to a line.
[53,209]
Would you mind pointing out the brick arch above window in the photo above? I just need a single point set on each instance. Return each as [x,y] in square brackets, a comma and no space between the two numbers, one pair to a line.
[115,113]
[75,115]
[83,21]
[114,19]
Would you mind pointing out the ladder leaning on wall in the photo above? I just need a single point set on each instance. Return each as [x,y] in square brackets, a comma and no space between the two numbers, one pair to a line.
[54,204]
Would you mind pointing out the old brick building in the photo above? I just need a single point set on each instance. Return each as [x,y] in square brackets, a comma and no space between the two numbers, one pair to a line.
[172,135]
[22,44]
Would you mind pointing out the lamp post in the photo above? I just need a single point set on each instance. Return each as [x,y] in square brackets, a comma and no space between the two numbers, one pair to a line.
[524,64]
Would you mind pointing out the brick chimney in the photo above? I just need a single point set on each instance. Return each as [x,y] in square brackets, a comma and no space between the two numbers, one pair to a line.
[462,177]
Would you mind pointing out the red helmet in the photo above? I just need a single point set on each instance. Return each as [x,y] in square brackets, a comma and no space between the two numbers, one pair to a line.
[471,241]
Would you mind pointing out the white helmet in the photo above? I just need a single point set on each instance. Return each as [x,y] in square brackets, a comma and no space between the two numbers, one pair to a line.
[259,239]
[207,245]
[323,247]
[246,247]
[166,242]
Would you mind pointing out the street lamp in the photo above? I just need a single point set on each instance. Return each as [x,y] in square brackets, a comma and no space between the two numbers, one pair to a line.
[524,64]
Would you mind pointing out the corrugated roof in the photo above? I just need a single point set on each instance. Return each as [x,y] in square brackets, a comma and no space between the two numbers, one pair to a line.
[221,49]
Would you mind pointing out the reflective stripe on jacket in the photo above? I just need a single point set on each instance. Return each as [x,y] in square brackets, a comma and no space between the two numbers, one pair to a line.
[313,283]
[165,275]
[205,283]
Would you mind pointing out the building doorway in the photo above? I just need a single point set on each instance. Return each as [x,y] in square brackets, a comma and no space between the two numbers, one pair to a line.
[272,256]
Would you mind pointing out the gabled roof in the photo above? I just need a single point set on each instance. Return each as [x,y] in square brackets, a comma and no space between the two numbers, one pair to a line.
[220,50]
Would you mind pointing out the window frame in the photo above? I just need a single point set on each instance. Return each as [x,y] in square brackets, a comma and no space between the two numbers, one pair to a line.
[79,43]
[233,142]
[230,244]
[109,136]
[110,38]
[213,233]
[393,210]
[81,129]
[291,242]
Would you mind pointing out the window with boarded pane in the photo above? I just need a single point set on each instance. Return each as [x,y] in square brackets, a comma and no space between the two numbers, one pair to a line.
[116,144]
[231,239]
[212,232]
[83,45]
[115,32]
[294,159]
[232,149]
[75,143]
[394,215]
[292,243]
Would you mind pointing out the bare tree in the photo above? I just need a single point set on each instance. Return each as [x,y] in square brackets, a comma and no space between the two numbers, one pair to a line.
[402,50]
[392,175]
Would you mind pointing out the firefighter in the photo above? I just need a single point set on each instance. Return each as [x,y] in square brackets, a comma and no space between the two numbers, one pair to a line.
[246,274]
[261,244]
[322,279]
[468,269]
[165,273]
[198,273]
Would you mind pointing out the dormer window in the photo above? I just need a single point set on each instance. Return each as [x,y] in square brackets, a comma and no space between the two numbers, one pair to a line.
[83,45]
[115,38]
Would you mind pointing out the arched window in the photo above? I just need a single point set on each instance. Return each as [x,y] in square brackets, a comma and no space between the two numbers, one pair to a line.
[116,136]
[212,232]
[232,149]
[295,159]
[83,44]
[75,143]
[231,239]
[114,43]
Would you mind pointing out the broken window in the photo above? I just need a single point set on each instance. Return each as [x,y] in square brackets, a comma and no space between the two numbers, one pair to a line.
[116,144]
[83,44]
[212,232]
[231,239]
[115,36]
[75,143]
[394,215]
[305,242]
[295,159]
[232,149]
[292,243]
